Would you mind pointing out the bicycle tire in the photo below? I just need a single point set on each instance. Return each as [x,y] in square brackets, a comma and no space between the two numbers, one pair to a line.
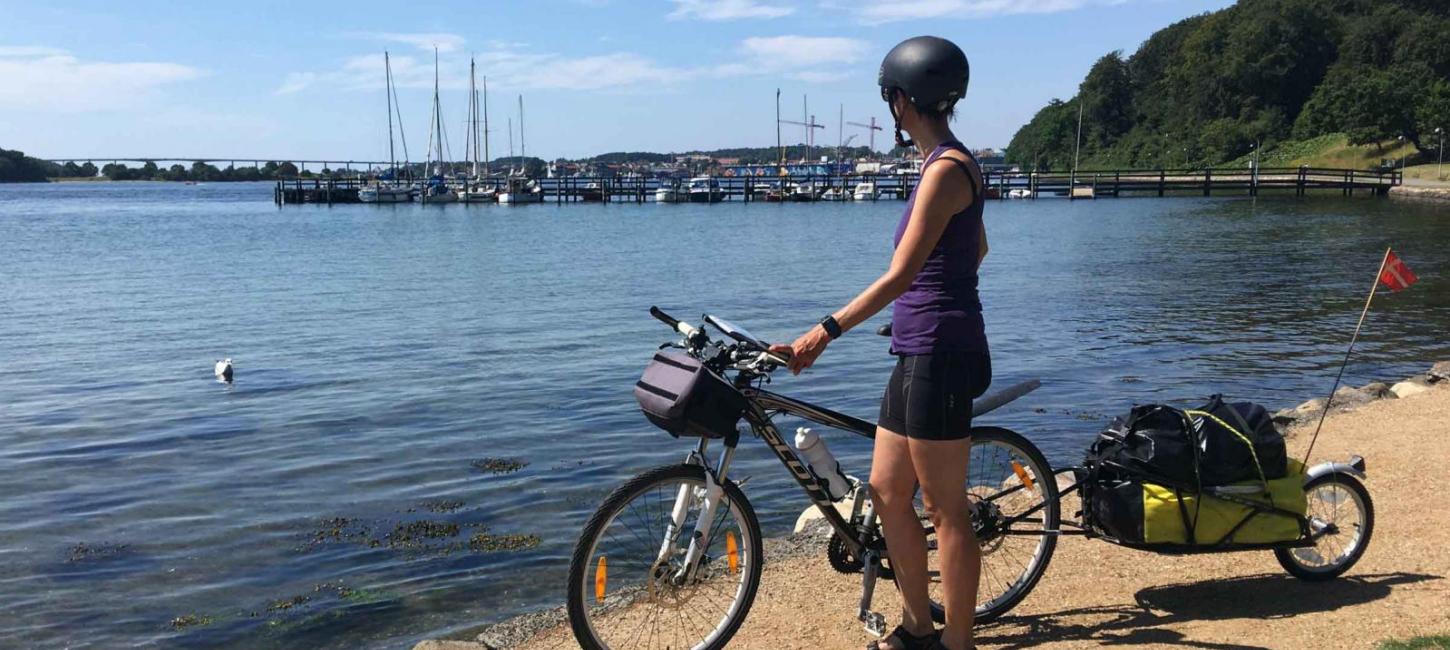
[579,619]
[1051,514]
[1295,568]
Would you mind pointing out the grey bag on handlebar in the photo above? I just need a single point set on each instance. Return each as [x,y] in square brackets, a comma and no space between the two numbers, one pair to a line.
[680,395]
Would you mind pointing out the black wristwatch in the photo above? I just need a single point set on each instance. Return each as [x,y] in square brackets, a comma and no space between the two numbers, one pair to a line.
[833,329]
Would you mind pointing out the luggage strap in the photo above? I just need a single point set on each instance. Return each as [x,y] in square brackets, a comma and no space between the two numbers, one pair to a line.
[1248,443]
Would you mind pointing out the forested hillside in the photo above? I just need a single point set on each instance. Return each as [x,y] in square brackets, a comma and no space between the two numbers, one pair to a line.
[1208,89]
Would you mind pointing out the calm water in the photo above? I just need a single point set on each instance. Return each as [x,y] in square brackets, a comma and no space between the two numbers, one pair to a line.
[381,351]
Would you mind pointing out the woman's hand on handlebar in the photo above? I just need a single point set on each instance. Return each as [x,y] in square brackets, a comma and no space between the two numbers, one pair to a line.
[803,352]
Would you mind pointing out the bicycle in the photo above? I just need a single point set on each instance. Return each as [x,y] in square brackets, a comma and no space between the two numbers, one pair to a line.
[1015,509]
[635,561]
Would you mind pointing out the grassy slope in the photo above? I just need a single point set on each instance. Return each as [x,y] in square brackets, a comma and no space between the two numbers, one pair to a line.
[1328,151]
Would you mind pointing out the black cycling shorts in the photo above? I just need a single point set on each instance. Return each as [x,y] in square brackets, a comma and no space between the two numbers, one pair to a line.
[929,396]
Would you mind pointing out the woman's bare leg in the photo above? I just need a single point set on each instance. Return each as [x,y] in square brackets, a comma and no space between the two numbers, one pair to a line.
[941,467]
[893,488]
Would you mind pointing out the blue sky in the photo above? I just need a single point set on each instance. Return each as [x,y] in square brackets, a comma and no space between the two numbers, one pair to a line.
[304,79]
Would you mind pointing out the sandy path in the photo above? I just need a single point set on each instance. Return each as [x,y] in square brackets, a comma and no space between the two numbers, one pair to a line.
[1097,594]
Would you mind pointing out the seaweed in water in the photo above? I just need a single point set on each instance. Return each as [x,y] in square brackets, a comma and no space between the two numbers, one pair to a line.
[190,620]
[288,603]
[499,465]
[441,506]
[415,534]
[486,542]
[83,551]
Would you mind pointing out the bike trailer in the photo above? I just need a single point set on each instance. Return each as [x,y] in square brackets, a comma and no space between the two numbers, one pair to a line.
[1212,476]
[1136,511]
[680,395]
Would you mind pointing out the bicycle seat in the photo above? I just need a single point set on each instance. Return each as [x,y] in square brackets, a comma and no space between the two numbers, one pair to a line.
[884,330]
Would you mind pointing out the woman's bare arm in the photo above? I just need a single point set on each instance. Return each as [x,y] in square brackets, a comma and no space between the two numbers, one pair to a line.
[938,200]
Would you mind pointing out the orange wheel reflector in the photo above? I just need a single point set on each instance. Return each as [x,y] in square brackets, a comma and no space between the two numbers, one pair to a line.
[601,578]
[732,551]
[1022,474]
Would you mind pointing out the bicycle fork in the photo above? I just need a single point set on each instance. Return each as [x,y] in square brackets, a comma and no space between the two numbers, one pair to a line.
[711,495]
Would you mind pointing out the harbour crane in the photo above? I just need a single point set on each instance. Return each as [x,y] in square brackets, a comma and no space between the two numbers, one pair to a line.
[871,128]
[807,121]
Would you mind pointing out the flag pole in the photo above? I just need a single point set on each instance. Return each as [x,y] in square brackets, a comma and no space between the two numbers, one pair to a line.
[1383,261]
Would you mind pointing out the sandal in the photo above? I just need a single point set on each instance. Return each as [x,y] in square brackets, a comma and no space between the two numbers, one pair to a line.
[908,640]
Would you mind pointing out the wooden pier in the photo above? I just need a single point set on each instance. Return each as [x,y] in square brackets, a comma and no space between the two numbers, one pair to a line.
[1298,181]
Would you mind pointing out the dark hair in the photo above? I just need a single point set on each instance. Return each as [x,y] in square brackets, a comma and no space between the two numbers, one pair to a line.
[931,113]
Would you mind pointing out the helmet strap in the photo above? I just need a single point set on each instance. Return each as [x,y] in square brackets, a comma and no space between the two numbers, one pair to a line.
[901,141]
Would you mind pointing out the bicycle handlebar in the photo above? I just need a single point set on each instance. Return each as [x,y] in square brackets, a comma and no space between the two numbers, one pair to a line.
[676,324]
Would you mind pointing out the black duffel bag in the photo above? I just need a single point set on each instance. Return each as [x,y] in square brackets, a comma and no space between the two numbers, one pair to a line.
[1217,444]
[680,395]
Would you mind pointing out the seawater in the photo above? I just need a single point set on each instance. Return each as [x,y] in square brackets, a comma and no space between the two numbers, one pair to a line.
[385,353]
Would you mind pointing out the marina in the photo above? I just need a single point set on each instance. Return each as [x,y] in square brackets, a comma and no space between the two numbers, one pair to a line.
[1296,181]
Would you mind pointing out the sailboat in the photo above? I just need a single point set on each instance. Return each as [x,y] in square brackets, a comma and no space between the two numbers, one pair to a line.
[474,189]
[436,190]
[519,187]
[392,191]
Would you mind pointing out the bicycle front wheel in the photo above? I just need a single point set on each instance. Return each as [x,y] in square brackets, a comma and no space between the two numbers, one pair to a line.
[642,577]
[1015,514]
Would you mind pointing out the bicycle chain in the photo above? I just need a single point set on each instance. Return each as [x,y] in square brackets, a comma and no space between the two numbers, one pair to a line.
[843,561]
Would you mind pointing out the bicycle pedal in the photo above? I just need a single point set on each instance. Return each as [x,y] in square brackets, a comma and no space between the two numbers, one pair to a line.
[875,623]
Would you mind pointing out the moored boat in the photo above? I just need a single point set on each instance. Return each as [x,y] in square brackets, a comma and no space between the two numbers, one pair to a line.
[804,192]
[705,189]
[379,193]
[591,193]
[669,193]
[521,190]
[866,191]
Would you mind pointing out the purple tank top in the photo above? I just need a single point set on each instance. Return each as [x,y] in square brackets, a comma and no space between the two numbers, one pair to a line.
[940,311]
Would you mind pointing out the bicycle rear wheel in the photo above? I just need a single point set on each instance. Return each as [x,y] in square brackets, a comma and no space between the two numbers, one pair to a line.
[1013,495]
[628,586]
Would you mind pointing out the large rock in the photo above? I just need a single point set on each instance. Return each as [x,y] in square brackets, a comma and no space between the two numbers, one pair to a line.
[1377,390]
[1302,412]
[1348,397]
[434,644]
[1412,386]
[1440,372]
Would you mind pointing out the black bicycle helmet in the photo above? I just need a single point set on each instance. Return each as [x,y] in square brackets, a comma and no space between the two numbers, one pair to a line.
[931,72]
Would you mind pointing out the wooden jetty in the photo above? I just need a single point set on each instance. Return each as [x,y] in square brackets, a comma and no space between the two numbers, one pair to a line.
[1300,181]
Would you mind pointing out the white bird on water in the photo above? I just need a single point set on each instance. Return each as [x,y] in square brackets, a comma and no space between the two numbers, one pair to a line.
[224,370]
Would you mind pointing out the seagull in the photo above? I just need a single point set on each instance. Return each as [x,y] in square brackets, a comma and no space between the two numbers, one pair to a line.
[224,370]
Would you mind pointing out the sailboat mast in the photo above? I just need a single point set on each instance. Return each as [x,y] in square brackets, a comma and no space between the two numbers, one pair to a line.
[473,116]
[485,124]
[388,90]
[511,146]
[778,145]
[523,149]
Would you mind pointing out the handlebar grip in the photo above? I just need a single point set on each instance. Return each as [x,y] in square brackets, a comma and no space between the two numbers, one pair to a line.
[663,317]
[676,324]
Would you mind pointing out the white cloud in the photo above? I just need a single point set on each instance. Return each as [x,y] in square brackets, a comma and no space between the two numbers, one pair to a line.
[445,42]
[296,81]
[795,51]
[885,11]
[727,9]
[48,79]
[29,50]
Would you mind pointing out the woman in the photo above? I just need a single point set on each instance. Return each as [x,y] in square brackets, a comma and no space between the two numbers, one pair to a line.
[923,434]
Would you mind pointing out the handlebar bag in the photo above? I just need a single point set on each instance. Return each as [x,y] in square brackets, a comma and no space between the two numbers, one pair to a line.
[680,395]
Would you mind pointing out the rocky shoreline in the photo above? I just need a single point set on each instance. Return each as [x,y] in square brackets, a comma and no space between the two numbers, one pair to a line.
[1348,397]
[1420,193]
[811,541]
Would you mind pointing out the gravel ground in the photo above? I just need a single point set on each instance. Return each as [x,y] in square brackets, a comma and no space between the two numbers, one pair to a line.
[1097,594]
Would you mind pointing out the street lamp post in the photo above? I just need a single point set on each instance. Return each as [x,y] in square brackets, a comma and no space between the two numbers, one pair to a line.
[1439,166]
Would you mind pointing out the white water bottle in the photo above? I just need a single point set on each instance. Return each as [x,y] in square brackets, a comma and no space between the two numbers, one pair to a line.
[822,463]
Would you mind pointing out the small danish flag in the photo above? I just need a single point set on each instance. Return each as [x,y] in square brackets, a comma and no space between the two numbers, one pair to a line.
[1396,275]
